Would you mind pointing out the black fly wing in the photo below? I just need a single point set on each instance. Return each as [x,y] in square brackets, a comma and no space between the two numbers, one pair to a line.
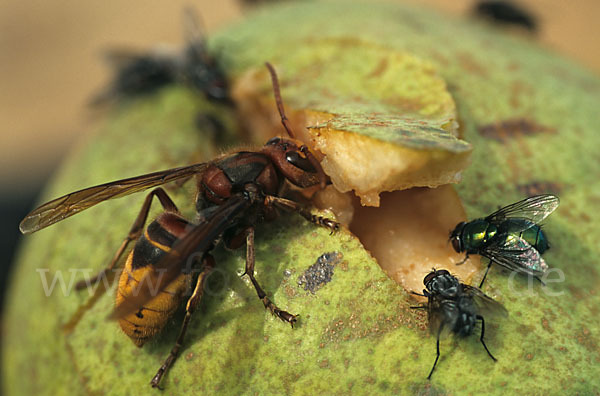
[535,209]
[193,30]
[486,306]
[201,67]
[136,73]
[60,208]
[442,315]
[120,57]
[198,240]
[516,254]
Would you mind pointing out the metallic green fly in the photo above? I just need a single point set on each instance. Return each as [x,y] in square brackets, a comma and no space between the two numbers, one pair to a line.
[511,236]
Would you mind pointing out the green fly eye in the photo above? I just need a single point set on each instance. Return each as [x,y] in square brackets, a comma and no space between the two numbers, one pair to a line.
[456,244]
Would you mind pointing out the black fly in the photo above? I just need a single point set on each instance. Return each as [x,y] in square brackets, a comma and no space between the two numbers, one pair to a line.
[142,73]
[506,13]
[455,307]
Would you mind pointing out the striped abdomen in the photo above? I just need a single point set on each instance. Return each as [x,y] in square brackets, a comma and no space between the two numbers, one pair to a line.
[149,249]
[533,235]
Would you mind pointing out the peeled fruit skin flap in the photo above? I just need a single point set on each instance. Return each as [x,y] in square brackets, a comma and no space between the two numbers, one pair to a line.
[531,119]
[383,121]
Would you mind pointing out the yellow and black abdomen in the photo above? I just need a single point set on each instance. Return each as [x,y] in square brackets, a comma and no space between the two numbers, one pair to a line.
[152,317]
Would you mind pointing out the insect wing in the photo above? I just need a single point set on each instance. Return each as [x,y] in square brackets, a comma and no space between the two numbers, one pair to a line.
[192,28]
[197,58]
[535,209]
[70,204]
[201,68]
[516,254]
[442,315]
[118,58]
[485,304]
[202,237]
[198,240]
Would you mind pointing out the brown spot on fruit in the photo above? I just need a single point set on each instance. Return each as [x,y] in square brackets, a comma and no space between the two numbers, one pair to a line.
[380,69]
[469,63]
[540,187]
[586,339]
[546,325]
[370,380]
[503,131]
[519,92]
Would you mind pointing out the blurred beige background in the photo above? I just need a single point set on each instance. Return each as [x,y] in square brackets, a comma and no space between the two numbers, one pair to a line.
[50,61]
[50,65]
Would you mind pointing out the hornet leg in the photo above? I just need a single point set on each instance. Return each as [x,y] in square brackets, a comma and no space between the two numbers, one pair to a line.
[283,315]
[302,211]
[192,303]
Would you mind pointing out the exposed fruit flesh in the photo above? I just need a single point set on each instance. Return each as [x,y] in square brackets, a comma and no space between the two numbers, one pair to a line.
[408,232]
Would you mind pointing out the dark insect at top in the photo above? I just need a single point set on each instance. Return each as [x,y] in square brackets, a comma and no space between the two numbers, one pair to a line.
[139,74]
[511,236]
[506,13]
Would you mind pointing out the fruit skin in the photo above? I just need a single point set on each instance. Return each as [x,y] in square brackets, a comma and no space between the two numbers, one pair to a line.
[532,119]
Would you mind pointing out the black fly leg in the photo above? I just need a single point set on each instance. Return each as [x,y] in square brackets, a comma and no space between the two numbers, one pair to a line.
[486,272]
[283,315]
[192,303]
[461,262]
[304,212]
[420,295]
[134,233]
[479,317]
[541,281]
[438,352]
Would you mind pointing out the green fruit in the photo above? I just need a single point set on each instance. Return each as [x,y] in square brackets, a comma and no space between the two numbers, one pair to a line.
[531,119]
